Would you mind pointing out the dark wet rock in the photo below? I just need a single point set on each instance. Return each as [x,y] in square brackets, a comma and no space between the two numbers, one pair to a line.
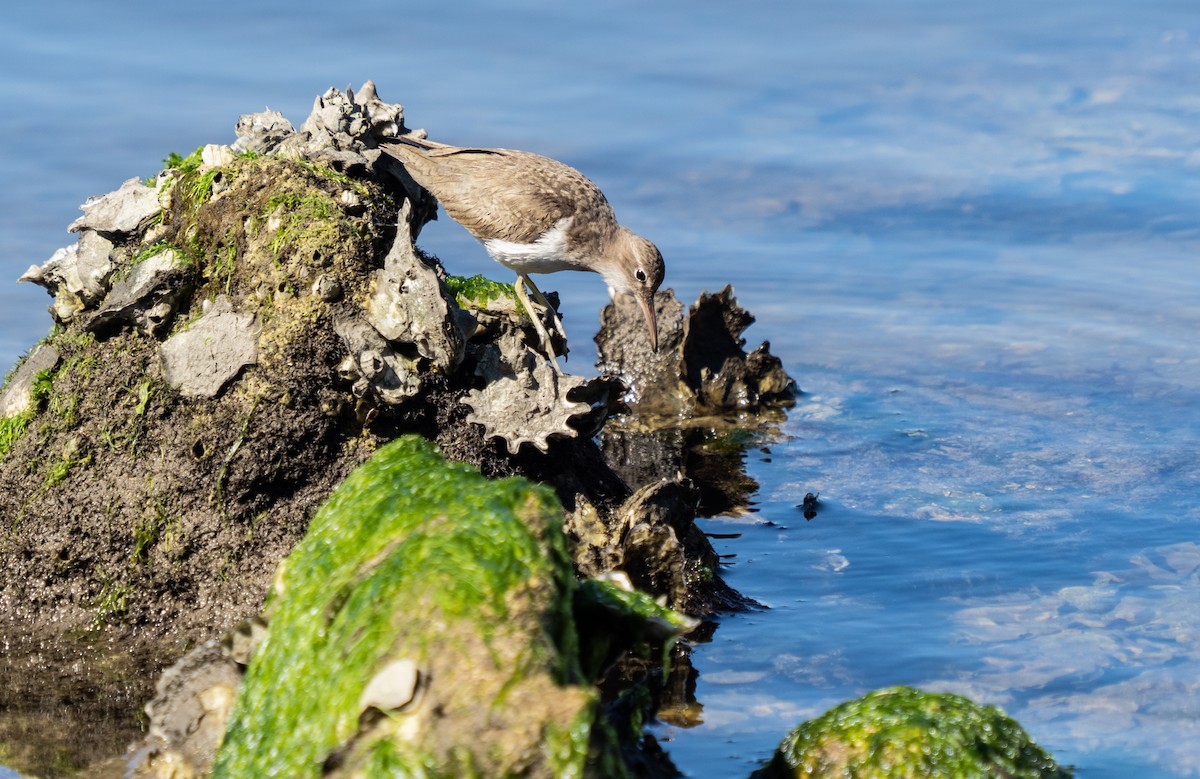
[701,367]
[708,451]
[121,212]
[697,403]
[202,359]
[653,539]
[76,275]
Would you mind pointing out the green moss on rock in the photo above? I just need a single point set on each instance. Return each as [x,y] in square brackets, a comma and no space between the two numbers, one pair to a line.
[477,289]
[414,559]
[903,732]
[12,428]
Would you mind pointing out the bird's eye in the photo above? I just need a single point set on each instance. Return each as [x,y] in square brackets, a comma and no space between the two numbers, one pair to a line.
[640,274]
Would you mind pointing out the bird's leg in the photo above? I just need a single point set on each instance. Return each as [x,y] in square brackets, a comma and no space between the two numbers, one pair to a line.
[540,298]
[519,290]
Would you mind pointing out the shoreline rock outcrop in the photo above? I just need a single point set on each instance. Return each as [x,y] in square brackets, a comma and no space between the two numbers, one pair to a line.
[233,337]
[250,340]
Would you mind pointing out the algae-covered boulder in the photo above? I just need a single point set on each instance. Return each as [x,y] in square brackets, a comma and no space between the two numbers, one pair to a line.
[422,628]
[903,732]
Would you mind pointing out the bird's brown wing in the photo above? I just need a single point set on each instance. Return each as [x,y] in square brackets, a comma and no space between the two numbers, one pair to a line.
[501,193]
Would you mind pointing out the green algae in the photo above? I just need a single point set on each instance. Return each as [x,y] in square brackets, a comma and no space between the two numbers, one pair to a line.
[614,620]
[904,732]
[12,428]
[478,289]
[406,542]
[63,408]
[188,164]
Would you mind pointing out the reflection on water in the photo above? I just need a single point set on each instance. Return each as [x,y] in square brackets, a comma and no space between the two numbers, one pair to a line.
[970,231]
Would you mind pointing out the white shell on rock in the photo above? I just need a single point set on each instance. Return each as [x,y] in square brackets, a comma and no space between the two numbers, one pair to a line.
[373,365]
[524,400]
[214,155]
[393,687]
[201,360]
[76,275]
[408,304]
[18,393]
[120,212]
[146,296]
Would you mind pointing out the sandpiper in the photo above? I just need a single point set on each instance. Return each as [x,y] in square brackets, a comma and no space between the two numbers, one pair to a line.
[535,215]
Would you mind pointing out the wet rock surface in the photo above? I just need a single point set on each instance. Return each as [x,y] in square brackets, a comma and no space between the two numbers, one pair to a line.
[239,335]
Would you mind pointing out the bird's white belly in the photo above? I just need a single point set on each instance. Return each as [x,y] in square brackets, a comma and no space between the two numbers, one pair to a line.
[545,255]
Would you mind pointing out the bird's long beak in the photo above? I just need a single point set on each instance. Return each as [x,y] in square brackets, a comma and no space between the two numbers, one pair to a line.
[647,303]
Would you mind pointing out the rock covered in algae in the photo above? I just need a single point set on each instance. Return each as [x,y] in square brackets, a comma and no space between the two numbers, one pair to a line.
[171,461]
[423,627]
[901,732]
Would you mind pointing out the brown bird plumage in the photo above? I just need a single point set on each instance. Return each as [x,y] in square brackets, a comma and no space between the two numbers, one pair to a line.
[535,215]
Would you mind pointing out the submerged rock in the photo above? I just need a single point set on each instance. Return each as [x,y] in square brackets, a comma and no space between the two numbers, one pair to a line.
[903,732]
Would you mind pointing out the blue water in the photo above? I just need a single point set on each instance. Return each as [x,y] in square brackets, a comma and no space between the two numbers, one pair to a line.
[970,231]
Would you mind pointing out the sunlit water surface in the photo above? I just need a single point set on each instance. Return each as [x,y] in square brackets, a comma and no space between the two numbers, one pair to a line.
[970,231]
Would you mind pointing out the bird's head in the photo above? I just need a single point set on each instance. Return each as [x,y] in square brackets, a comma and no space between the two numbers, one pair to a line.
[636,269]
